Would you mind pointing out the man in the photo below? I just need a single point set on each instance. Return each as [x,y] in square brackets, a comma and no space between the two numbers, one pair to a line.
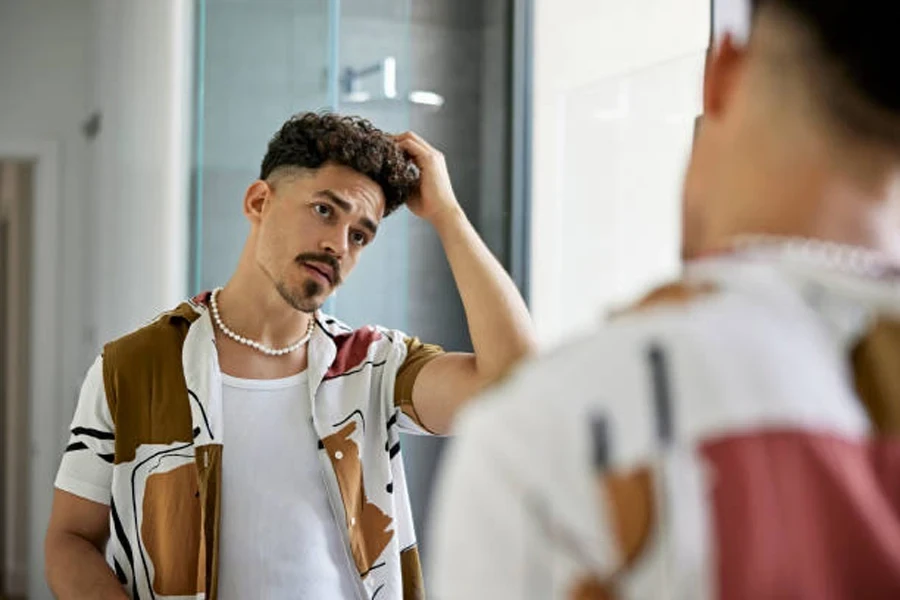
[735,435]
[245,445]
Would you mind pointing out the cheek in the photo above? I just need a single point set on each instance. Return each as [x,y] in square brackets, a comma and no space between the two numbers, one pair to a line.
[277,244]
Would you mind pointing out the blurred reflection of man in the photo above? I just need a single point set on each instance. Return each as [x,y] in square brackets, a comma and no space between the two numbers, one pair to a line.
[735,435]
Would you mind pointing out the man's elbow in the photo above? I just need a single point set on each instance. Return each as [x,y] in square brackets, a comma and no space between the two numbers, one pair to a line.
[498,370]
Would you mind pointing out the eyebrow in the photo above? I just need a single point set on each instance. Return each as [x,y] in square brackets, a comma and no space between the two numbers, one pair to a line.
[346,207]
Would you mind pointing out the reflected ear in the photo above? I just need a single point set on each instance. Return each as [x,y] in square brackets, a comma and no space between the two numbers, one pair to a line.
[258,195]
[723,66]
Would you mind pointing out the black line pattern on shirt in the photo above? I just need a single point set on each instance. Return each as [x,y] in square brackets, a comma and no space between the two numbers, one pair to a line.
[360,368]
[372,568]
[601,442]
[74,446]
[334,322]
[124,543]
[355,412]
[94,433]
[395,449]
[134,507]
[120,574]
[202,412]
[162,458]
[662,397]
[324,329]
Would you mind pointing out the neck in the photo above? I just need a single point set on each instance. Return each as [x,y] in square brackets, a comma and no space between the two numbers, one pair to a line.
[250,305]
[803,193]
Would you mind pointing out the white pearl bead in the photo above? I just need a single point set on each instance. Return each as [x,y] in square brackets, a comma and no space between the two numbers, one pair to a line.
[214,307]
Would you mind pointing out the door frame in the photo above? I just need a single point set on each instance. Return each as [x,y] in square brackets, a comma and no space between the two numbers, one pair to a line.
[46,421]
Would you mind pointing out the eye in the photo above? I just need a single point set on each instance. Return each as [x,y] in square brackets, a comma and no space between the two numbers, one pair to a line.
[358,238]
[323,210]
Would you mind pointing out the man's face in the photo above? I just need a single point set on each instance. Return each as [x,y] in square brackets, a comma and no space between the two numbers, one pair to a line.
[311,229]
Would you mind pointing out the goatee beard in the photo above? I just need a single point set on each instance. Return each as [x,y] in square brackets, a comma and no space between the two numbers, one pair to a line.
[304,302]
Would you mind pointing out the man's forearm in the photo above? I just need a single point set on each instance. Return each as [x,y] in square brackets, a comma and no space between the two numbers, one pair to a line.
[76,570]
[498,320]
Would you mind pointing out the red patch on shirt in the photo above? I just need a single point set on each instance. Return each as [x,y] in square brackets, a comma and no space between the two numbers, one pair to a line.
[806,515]
[352,349]
[202,299]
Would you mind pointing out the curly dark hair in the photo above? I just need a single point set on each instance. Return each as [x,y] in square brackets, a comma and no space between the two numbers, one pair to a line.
[309,140]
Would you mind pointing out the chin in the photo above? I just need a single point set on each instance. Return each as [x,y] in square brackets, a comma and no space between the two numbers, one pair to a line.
[299,296]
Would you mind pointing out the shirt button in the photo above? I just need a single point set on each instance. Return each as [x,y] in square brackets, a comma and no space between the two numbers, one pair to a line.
[339,455]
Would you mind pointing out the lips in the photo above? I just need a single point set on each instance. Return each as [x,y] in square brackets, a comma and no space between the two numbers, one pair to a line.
[322,269]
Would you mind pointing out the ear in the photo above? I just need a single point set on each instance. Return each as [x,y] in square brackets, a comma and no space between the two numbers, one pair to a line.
[724,64]
[258,195]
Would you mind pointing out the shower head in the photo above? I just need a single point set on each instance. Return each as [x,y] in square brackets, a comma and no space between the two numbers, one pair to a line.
[415,97]
[352,92]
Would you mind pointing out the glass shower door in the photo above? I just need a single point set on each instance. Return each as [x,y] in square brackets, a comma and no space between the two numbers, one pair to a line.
[258,62]
[369,68]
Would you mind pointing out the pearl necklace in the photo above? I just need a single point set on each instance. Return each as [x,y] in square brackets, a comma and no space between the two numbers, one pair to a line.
[214,305]
[832,255]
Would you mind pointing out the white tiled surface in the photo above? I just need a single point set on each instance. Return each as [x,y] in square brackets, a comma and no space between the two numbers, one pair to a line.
[626,140]
[581,47]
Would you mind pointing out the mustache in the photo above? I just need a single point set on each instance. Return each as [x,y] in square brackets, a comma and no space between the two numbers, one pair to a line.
[325,259]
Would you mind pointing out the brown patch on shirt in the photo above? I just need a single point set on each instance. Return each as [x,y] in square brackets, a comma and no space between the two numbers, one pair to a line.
[675,293]
[411,572]
[170,530]
[417,356]
[590,589]
[630,497]
[366,523]
[629,501]
[143,377]
[671,294]
[209,466]
[876,371]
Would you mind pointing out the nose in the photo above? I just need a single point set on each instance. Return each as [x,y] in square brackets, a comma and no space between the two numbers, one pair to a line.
[336,242]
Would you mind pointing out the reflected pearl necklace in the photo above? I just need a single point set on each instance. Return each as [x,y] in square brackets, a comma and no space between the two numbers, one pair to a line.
[831,255]
[214,305]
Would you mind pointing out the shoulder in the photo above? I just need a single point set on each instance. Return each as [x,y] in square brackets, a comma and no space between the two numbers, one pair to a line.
[366,337]
[607,378]
[160,335]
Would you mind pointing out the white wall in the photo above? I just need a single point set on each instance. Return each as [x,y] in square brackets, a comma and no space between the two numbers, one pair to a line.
[122,204]
[142,55]
[616,87]
[44,78]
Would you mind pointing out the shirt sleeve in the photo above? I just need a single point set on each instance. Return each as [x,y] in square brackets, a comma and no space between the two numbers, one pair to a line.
[418,355]
[87,465]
